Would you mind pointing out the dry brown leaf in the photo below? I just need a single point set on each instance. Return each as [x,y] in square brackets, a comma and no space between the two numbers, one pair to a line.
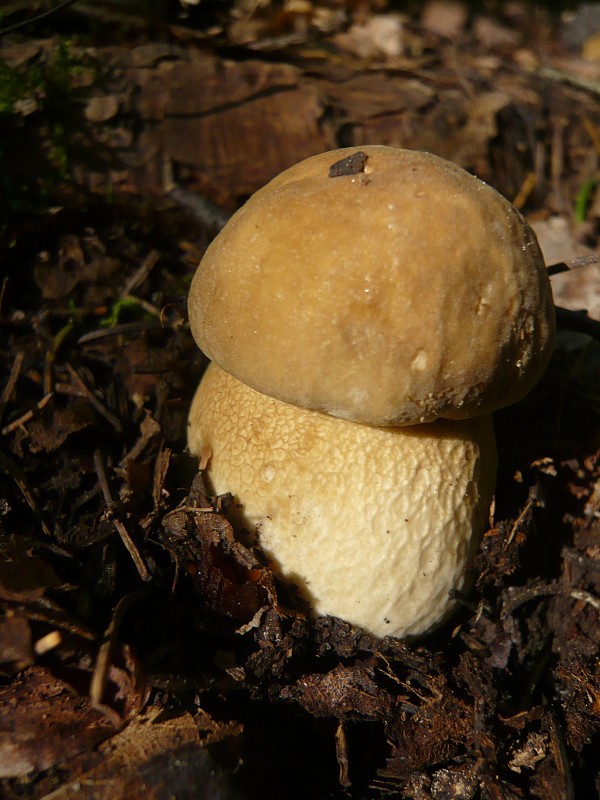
[152,759]
[342,693]
[44,723]
[48,431]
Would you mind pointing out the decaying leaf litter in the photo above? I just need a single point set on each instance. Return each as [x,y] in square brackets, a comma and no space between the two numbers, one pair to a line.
[143,647]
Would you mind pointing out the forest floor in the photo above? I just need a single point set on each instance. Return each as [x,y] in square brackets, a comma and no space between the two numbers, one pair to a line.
[143,651]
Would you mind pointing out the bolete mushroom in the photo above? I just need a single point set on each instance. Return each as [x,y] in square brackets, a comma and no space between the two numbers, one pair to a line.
[366,311]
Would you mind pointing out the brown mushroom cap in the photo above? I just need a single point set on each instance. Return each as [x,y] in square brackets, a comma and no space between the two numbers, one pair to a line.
[403,291]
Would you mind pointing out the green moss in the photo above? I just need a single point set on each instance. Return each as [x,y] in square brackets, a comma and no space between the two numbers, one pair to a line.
[16,85]
[583,199]
[119,306]
[35,102]
[48,83]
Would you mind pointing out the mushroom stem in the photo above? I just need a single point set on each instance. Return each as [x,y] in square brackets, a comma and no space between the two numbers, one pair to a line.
[374,525]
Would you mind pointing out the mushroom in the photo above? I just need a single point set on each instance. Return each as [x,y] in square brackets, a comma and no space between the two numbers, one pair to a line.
[366,311]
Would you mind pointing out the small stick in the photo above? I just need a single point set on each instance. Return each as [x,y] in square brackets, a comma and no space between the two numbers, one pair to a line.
[525,511]
[149,428]
[24,418]
[341,753]
[41,609]
[121,529]
[573,263]
[51,356]
[561,756]
[107,649]
[18,25]
[555,74]
[205,211]
[2,293]
[47,643]
[89,395]
[523,594]
[116,330]
[15,371]
[526,189]
[17,474]
[161,466]
[140,275]
[586,597]
[137,559]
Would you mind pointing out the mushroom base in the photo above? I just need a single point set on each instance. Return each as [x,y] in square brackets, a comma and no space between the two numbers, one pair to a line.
[374,525]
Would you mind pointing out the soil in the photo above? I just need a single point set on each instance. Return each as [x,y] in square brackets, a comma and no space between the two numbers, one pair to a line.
[144,649]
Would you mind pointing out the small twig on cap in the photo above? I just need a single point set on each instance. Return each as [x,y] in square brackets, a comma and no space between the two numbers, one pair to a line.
[573,263]
[351,165]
